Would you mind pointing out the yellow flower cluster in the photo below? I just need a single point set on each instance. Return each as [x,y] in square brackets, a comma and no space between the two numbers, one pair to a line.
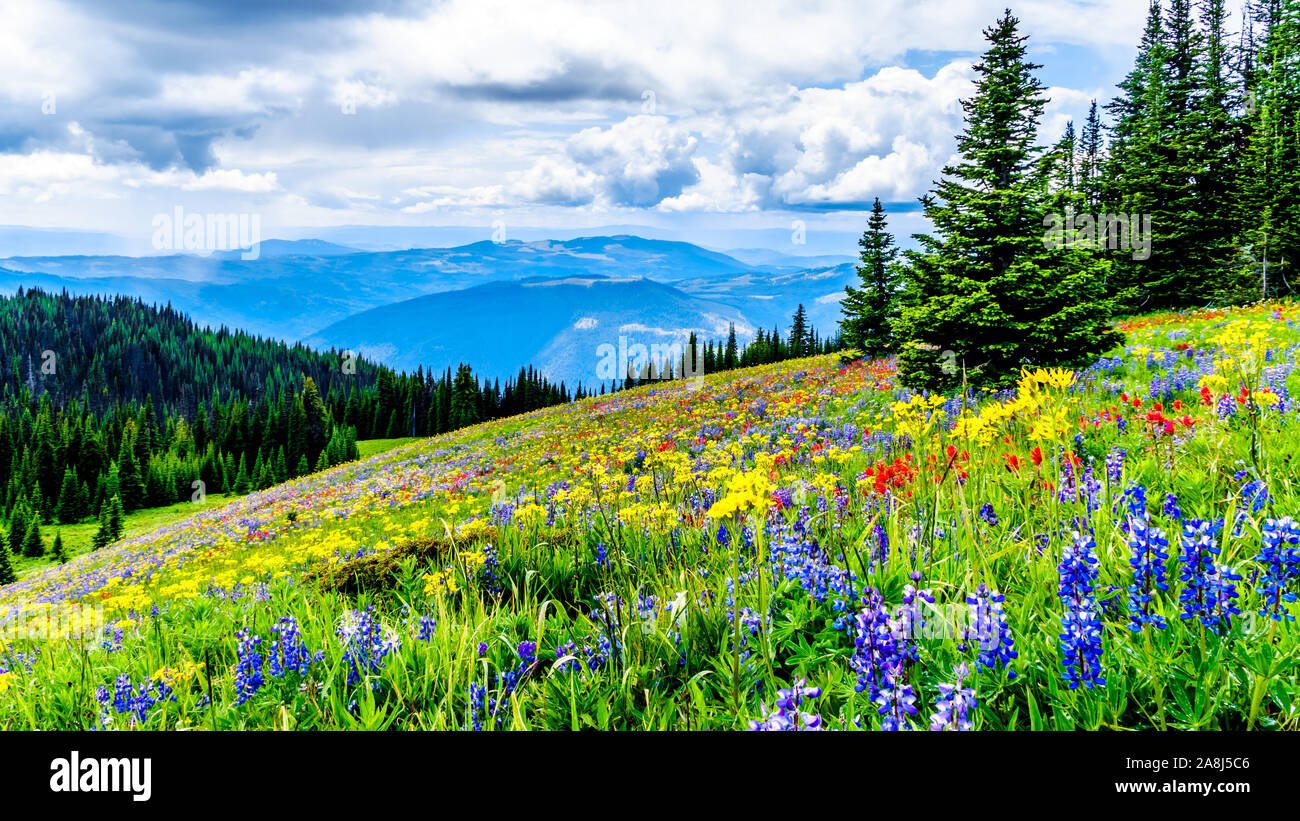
[745,491]
[915,418]
[439,582]
[1039,407]
[171,676]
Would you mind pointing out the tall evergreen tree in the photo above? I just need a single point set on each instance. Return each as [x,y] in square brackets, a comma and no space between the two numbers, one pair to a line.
[871,309]
[1091,161]
[984,286]
[7,573]
[799,332]
[33,544]
[464,399]
[1269,185]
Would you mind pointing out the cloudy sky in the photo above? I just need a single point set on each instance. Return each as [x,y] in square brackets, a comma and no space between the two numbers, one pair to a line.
[467,112]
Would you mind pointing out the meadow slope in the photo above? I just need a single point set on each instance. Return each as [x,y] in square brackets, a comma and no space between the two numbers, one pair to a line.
[805,545]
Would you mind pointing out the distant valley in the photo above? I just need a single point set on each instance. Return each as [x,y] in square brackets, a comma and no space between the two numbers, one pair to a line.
[495,305]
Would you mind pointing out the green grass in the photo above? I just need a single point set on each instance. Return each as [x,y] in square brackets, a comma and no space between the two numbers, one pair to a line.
[77,537]
[370,447]
[631,600]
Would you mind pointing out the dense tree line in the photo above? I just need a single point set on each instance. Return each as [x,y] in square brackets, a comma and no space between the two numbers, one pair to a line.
[1187,197]
[109,405]
[716,356]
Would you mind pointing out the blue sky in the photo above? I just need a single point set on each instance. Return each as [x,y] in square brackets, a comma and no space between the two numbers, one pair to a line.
[746,115]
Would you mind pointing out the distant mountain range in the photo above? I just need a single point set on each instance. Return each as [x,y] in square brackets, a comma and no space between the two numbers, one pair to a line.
[558,324]
[495,305]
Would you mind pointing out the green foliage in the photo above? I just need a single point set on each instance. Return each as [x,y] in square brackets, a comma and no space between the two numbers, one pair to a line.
[7,573]
[117,413]
[871,309]
[984,295]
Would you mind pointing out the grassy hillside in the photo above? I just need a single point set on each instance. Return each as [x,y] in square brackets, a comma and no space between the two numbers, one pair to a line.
[373,447]
[77,537]
[798,545]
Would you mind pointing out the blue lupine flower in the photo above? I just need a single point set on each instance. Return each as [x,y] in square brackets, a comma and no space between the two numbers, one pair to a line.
[897,700]
[953,706]
[788,715]
[997,647]
[478,706]
[722,536]
[129,700]
[875,647]
[366,644]
[987,514]
[1150,575]
[879,556]
[248,666]
[1171,508]
[427,627]
[1281,560]
[1081,622]
[288,653]
[1255,495]
[1201,587]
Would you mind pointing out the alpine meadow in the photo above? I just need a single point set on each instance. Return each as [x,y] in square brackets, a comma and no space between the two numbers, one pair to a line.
[1015,450]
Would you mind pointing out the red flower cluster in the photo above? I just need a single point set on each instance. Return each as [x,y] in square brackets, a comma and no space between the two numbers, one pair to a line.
[1166,425]
[899,474]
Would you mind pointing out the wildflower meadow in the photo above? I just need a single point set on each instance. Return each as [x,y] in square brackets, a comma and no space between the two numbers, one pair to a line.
[799,546]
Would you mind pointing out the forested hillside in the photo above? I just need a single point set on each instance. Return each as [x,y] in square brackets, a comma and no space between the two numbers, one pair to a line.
[109,405]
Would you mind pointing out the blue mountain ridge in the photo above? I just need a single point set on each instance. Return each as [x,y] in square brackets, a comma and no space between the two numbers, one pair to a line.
[329,294]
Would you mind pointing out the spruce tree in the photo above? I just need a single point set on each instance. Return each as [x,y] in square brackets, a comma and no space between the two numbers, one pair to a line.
[464,400]
[1091,161]
[68,509]
[7,573]
[316,420]
[116,518]
[33,544]
[871,309]
[58,551]
[131,487]
[799,332]
[242,482]
[1269,186]
[984,286]
[104,533]
[18,521]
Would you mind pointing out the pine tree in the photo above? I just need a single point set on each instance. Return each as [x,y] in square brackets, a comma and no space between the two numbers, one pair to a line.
[870,309]
[58,552]
[984,286]
[104,534]
[464,400]
[68,509]
[130,484]
[1091,161]
[33,544]
[116,518]
[799,332]
[18,521]
[7,573]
